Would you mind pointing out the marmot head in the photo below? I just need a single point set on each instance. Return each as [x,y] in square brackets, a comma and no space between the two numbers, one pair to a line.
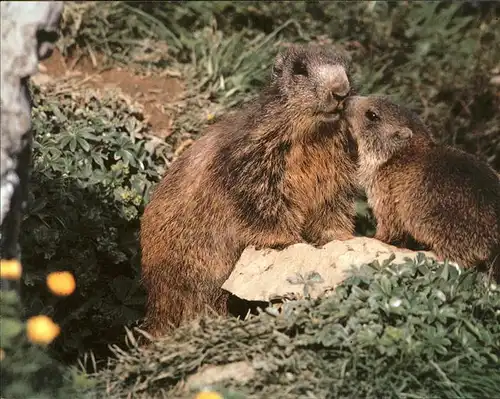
[381,127]
[312,80]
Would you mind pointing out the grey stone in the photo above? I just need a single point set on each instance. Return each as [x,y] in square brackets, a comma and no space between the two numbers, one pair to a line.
[261,275]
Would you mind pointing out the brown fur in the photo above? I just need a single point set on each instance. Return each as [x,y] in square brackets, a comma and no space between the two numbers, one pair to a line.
[275,173]
[443,197]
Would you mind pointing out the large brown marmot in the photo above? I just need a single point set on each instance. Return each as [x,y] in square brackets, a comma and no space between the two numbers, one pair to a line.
[278,172]
[442,197]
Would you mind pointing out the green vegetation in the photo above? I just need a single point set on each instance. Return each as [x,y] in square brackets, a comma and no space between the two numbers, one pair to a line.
[27,370]
[96,158]
[414,330]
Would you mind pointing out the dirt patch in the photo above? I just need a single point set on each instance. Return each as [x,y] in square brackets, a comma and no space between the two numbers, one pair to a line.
[156,93]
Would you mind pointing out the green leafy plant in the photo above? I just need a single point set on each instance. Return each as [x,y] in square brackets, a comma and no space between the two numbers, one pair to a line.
[91,178]
[410,329]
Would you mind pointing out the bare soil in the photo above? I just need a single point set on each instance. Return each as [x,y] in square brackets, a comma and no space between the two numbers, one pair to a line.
[155,93]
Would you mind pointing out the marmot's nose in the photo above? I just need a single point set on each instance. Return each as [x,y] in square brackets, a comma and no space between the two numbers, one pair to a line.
[334,80]
[339,97]
[340,91]
[350,101]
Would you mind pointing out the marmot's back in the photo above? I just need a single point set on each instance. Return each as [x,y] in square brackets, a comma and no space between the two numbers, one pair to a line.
[455,199]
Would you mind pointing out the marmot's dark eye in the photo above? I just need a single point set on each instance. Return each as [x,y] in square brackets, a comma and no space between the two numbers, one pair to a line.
[372,116]
[299,68]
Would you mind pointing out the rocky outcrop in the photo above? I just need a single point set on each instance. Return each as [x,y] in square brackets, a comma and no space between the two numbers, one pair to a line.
[304,269]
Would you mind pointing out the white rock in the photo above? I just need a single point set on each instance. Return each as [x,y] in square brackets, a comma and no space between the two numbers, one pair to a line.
[263,274]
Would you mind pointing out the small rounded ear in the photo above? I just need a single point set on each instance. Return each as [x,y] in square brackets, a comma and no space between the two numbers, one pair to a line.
[403,133]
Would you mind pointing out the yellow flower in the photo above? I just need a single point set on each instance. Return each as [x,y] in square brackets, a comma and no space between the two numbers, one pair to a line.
[208,395]
[10,269]
[41,329]
[210,117]
[61,283]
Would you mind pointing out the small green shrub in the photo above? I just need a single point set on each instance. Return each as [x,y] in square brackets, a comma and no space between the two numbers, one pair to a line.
[416,329]
[91,177]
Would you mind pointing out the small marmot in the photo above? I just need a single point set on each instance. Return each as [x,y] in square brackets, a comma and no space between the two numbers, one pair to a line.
[279,171]
[442,197]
